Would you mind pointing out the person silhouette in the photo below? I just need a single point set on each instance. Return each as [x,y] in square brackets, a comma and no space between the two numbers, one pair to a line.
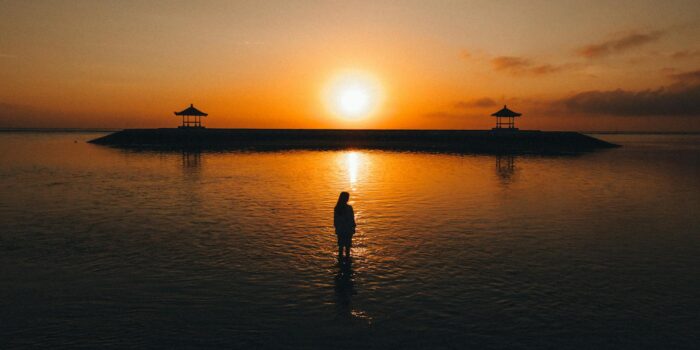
[344,222]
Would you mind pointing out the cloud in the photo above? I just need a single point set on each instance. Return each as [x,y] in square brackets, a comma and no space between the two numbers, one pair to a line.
[517,65]
[510,63]
[619,45]
[679,55]
[521,65]
[476,103]
[466,55]
[692,77]
[679,99]
[480,108]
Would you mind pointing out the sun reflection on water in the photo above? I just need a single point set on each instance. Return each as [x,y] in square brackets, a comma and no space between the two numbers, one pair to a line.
[353,167]
[352,160]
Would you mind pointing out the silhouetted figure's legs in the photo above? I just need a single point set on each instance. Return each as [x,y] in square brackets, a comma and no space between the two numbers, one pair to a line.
[344,243]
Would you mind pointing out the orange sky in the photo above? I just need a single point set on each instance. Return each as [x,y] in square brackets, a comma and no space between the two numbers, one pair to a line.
[584,65]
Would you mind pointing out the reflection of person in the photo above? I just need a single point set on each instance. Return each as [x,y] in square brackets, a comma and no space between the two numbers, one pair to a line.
[344,290]
[344,222]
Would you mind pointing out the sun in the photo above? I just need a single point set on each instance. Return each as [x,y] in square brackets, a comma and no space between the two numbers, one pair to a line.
[353,101]
[353,95]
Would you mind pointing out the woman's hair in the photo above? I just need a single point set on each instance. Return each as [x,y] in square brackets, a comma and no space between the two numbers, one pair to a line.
[342,201]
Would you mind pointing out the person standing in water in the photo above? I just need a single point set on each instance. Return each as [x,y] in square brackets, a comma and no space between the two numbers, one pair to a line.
[344,222]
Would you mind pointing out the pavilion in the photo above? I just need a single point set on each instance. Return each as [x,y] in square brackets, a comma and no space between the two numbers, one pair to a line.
[191,117]
[509,116]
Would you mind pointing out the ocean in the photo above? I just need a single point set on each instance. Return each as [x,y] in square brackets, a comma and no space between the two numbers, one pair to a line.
[108,248]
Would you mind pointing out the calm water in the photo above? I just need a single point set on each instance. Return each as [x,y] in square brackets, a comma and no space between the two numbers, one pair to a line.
[107,248]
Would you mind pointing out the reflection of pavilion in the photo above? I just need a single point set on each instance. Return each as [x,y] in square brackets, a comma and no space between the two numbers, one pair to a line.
[191,180]
[192,167]
[505,166]
[191,159]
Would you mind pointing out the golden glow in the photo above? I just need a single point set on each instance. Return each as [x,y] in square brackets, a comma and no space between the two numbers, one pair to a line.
[352,159]
[353,165]
[353,94]
[423,69]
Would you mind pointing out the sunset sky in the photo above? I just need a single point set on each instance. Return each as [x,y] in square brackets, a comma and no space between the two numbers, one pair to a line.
[575,65]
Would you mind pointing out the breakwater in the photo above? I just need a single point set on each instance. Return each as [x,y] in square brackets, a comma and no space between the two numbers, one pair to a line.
[472,141]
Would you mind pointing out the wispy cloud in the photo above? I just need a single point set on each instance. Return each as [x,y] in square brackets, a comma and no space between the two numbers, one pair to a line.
[523,65]
[476,103]
[619,44]
[483,107]
[686,78]
[679,55]
[511,63]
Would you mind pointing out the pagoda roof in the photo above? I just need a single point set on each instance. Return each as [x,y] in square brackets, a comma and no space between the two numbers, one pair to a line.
[505,112]
[192,111]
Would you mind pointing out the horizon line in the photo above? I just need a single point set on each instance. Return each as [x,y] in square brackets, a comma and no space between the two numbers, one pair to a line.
[97,129]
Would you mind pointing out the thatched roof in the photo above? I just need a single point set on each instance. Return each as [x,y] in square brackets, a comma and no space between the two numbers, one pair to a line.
[192,111]
[505,112]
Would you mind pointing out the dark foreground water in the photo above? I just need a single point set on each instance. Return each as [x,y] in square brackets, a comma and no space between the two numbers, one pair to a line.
[107,248]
